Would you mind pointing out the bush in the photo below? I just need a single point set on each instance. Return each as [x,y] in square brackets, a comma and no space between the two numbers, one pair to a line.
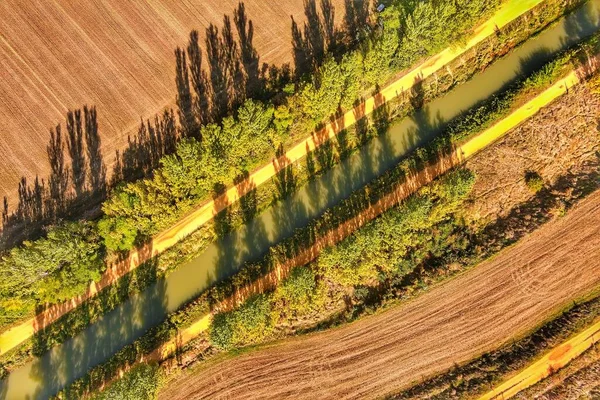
[51,269]
[381,248]
[119,234]
[250,323]
[534,181]
[141,382]
[297,295]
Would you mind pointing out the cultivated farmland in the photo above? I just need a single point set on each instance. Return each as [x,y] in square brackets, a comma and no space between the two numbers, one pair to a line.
[117,56]
[452,323]
[466,316]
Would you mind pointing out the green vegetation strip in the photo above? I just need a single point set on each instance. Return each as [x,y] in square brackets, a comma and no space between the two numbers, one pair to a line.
[215,156]
[375,284]
[459,72]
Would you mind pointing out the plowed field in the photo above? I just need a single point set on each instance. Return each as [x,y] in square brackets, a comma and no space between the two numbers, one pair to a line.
[451,323]
[117,55]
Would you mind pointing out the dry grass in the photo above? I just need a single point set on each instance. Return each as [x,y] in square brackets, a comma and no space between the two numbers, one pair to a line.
[562,139]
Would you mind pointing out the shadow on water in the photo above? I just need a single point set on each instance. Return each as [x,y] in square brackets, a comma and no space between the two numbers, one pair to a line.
[390,144]
[56,368]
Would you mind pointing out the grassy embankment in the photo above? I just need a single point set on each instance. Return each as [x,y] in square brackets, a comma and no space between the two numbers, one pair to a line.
[459,71]
[496,108]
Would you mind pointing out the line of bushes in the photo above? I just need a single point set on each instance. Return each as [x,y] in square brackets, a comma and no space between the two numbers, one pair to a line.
[222,152]
[13,310]
[459,71]
[253,314]
[385,249]
[141,382]
[252,137]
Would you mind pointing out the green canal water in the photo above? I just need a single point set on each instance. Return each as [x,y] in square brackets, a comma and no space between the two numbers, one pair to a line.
[66,362]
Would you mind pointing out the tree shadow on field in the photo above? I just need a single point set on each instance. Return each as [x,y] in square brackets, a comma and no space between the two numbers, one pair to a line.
[317,37]
[212,82]
[77,183]
[154,139]
[74,186]
[356,18]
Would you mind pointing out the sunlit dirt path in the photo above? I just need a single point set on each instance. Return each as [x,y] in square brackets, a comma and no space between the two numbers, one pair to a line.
[18,334]
[452,323]
[551,362]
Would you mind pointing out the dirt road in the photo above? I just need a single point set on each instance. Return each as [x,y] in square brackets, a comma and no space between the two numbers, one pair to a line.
[551,362]
[453,322]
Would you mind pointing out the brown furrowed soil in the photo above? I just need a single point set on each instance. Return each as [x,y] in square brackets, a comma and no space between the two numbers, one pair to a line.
[450,324]
[116,55]
[462,318]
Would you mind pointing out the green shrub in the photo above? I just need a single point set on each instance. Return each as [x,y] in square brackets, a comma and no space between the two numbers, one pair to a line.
[141,382]
[549,73]
[52,269]
[378,250]
[297,295]
[534,181]
[250,323]
[119,234]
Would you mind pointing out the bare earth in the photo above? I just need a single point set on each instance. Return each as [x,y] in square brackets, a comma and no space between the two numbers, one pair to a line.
[561,139]
[116,55]
[451,323]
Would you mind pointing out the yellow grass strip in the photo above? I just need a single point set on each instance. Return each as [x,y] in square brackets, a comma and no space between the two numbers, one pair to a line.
[509,11]
[462,153]
[558,358]
[484,139]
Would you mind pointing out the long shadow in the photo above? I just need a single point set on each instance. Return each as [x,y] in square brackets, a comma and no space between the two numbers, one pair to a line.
[154,139]
[253,77]
[77,182]
[250,242]
[184,100]
[76,151]
[75,185]
[315,39]
[319,35]
[55,369]
[233,73]
[356,18]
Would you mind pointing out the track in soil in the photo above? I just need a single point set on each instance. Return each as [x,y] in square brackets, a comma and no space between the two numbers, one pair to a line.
[452,323]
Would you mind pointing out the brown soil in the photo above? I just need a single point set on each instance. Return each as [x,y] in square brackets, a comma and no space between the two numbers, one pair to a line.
[459,319]
[579,380]
[450,324]
[560,140]
[115,55]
